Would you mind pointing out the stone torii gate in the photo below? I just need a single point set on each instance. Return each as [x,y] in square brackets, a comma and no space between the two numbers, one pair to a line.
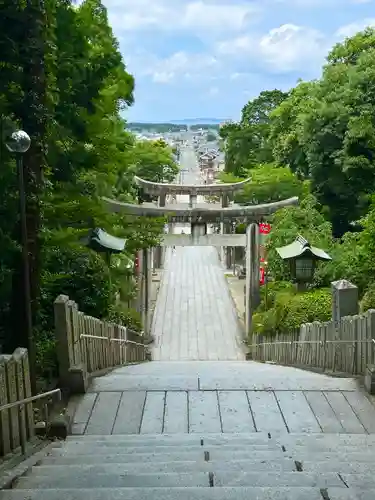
[223,191]
[200,216]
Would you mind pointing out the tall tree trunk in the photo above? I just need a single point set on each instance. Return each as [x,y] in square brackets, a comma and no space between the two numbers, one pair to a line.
[34,119]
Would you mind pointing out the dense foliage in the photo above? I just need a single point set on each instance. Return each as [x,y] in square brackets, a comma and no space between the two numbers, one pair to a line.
[63,80]
[315,142]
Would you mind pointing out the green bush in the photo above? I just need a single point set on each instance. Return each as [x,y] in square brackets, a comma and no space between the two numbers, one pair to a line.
[83,276]
[79,273]
[121,315]
[288,310]
[46,357]
[272,290]
[368,299]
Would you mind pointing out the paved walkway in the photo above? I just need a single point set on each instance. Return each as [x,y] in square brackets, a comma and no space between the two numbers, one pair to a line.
[195,320]
[194,316]
[229,397]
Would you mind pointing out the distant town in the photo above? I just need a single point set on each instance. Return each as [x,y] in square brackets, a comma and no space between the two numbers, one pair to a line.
[161,128]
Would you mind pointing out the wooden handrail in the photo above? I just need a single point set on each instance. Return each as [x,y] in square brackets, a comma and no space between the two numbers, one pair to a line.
[25,401]
[111,339]
[22,402]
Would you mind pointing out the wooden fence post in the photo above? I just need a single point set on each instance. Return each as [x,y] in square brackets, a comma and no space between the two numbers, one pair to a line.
[5,447]
[73,376]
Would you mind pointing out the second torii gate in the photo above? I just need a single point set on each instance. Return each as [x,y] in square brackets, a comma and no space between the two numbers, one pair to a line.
[200,216]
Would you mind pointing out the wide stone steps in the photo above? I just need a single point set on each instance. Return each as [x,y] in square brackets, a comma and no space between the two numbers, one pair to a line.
[97,455]
[230,438]
[229,493]
[256,466]
[284,464]
[202,479]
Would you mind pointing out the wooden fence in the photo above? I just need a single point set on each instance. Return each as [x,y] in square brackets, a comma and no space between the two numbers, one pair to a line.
[103,345]
[347,347]
[16,423]
[88,345]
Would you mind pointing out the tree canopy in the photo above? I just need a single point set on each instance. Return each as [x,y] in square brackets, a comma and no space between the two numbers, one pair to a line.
[316,142]
[63,80]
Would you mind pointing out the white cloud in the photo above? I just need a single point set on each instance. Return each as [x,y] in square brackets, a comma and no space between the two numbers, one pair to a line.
[180,65]
[213,91]
[217,16]
[284,49]
[289,46]
[319,3]
[193,16]
[163,76]
[352,28]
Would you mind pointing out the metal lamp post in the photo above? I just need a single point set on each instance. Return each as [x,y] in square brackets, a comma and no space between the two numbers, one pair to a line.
[18,143]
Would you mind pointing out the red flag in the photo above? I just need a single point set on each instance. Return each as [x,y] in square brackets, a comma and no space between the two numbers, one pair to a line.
[261,277]
[264,228]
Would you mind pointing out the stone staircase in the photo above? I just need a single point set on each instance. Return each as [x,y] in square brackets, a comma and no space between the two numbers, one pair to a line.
[255,466]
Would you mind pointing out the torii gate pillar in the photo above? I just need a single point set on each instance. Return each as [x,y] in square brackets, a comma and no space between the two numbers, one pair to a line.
[252,286]
[225,254]
[158,252]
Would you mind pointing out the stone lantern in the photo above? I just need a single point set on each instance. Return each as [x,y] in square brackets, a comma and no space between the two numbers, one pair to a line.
[302,258]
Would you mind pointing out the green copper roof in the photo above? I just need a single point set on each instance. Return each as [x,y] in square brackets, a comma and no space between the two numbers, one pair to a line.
[100,241]
[301,247]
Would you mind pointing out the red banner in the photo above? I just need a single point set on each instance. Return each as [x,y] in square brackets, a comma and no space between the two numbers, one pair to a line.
[264,228]
[261,275]
[136,264]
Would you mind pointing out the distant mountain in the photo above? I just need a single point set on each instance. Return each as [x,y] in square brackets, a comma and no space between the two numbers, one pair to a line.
[198,121]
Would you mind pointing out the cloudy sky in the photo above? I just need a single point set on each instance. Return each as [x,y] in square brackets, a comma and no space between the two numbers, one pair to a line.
[207,58]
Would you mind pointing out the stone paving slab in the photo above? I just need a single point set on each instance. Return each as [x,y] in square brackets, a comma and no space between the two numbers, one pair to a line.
[224,493]
[194,315]
[226,376]
[222,411]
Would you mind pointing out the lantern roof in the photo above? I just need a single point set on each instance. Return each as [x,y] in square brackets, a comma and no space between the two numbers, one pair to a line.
[100,241]
[301,247]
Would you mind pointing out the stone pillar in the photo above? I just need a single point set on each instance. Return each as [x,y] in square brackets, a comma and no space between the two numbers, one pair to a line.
[161,200]
[192,200]
[147,323]
[159,251]
[369,379]
[158,256]
[224,200]
[252,287]
[72,373]
[198,229]
[145,286]
[225,229]
[230,250]
[344,300]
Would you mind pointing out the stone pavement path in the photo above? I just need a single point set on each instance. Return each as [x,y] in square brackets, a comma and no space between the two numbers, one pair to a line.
[195,321]
[194,317]
[229,397]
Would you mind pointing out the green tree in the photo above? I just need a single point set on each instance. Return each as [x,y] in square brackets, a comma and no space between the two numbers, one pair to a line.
[153,161]
[325,131]
[63,80]
[286,126]
[306,220]
[268,183]
[247,142]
